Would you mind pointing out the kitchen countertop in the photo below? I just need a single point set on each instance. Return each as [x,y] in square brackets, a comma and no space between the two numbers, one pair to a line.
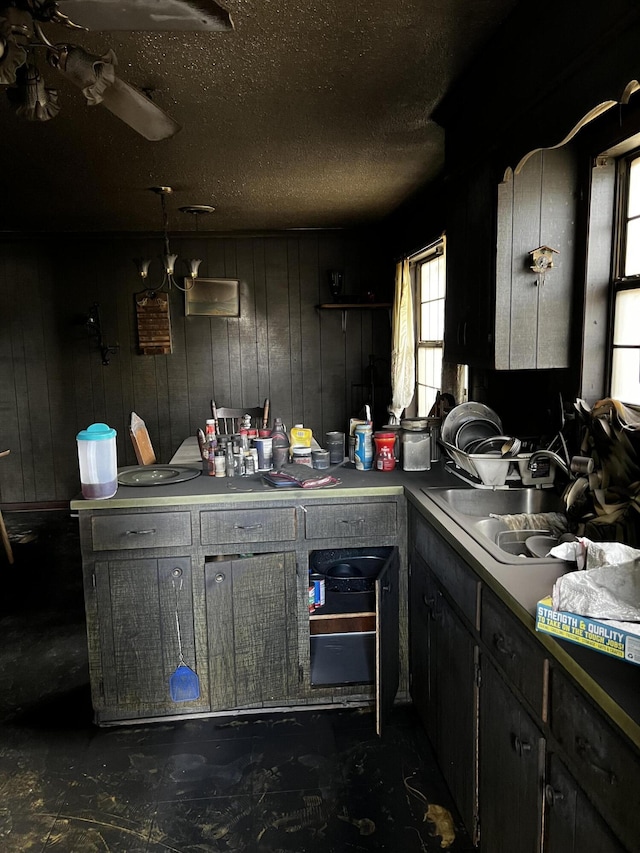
[613,684]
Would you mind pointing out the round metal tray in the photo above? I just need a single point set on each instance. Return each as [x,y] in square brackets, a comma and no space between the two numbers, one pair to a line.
[156,475]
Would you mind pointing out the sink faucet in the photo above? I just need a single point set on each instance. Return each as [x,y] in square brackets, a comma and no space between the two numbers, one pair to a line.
[549,454]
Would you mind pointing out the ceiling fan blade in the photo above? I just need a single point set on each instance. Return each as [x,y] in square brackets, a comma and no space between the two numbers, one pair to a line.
[148,15]
[134,108]
[95,76]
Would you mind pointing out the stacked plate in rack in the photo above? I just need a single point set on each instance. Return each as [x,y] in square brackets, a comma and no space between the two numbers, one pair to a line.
[469,423]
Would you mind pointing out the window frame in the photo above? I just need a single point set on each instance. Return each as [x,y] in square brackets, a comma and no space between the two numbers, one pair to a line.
[619,281]
[429,254]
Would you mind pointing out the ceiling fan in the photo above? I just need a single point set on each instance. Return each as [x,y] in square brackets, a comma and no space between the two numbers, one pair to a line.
[22,35]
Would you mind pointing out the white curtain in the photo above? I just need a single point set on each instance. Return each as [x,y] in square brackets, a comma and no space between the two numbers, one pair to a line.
[403,365]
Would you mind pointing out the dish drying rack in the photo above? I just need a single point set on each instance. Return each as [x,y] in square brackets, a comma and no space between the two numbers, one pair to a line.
[484,471]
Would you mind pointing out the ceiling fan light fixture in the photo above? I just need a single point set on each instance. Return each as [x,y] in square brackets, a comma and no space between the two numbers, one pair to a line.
[92,74]
[33,100]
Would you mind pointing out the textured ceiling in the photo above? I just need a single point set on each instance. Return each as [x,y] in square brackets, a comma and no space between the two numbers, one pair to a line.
[307,115]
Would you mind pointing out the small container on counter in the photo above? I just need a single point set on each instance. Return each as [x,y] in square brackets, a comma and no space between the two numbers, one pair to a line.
[335,446]
[98,462]
[220,463]
[301,454]
[364,447]
[385,459]
[416,444]
[279,445]
[264,450]
[396,430]
[320,459]
[300,435]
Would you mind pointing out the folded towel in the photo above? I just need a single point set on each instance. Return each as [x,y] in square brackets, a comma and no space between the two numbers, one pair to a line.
[554,522]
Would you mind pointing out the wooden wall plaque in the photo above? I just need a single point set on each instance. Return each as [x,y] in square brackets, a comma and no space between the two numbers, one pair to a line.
[154,323]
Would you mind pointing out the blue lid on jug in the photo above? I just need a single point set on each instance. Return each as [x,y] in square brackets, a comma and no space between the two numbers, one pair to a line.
[96,432]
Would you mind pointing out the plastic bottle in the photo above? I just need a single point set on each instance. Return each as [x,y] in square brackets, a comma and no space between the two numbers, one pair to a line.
[280,444]
[98,462]
[364,447]
[385,459]
[220,462]
[230,464]
[300,436]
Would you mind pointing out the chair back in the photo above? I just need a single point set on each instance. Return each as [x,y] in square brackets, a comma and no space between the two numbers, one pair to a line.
[229,421]
[141,441]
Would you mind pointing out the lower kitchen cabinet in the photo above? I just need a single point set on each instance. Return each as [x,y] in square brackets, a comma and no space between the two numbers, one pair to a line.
[511,769]
[443,685]
[252,630]
[134,608]
[553,773]
[227,583]
[603,759]
[572,824]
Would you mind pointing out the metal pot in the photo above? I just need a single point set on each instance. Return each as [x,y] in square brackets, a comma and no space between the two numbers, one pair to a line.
[355,574]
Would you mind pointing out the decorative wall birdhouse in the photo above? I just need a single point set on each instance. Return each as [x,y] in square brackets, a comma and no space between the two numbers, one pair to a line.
[542,258]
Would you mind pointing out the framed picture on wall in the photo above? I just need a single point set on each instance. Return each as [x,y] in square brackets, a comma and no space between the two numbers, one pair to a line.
[213,297]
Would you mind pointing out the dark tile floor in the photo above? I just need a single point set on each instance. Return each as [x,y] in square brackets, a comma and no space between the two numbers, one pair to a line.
[312,782]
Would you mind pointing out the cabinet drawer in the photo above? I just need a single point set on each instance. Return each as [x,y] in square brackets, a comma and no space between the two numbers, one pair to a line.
[234,527]
[607,764]
[140,530]
[518,654]
[367,519]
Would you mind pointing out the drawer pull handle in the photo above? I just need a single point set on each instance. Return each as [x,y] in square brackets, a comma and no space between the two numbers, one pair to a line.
[552,796]
[219,577]
[501,646]
[522,747]
[247,527]
[588,753]
[140,532]
[352,520]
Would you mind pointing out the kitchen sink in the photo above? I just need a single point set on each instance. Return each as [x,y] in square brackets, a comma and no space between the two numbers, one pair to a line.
[474,511]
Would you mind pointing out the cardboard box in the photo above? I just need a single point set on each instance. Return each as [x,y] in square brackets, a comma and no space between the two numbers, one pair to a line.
[617,639]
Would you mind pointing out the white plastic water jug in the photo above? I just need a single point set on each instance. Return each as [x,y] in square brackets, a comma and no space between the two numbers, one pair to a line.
[98,461]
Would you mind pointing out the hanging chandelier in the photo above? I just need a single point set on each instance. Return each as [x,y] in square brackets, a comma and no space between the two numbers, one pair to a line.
[169,259]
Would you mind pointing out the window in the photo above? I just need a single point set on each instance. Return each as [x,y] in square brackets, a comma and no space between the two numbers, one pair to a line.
[429,278]
[625,339]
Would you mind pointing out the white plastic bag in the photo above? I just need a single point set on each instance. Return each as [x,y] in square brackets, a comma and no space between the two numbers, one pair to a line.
[609,586]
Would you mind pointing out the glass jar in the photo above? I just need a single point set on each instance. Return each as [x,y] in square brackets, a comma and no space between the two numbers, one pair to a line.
[416,444]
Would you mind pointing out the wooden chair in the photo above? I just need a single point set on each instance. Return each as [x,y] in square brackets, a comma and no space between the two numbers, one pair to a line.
[228,421]
[141,441]
[3,529]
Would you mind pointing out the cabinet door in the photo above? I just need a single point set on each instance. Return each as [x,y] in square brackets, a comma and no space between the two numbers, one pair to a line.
[572,825]
[533,313]
[604,759]
[443,686]
[511,755]
[423,591]
[387,639]
[252,630]
[470,293]
[137,647]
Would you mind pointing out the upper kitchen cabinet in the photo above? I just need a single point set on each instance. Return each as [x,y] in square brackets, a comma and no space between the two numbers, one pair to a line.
[500,312]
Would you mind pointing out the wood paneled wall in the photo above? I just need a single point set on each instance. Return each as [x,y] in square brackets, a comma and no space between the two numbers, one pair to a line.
[53,383]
